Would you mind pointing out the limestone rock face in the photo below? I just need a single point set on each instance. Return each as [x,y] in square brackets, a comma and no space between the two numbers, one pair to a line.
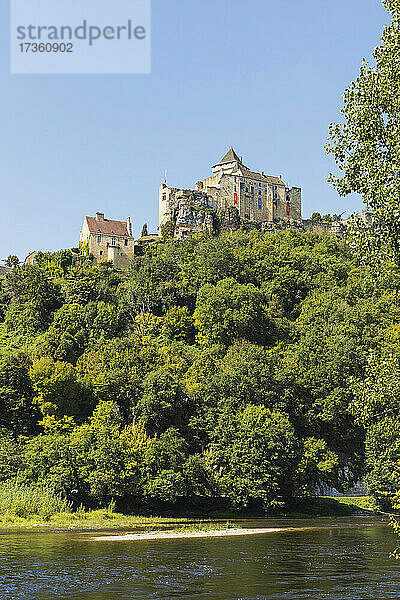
[193,214]
[230,219]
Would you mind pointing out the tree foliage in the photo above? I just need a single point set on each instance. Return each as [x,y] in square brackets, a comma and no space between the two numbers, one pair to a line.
[366,147]
[224,367]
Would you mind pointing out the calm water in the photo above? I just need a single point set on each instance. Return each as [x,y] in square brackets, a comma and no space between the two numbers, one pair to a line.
[332,562]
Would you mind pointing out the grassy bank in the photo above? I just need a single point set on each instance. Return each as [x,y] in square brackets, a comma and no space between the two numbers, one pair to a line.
[108,519]
[366,503]
[92,519]
[23,506]
[327,506]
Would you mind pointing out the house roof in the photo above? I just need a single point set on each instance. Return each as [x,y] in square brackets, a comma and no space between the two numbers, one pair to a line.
[108,227]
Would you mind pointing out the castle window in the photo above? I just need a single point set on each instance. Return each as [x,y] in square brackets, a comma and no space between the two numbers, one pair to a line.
[126,242]
[114,242]
[101,252]
[99,239]
[164,197]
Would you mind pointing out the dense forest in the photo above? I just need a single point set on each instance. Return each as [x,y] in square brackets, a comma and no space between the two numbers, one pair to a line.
[249,367]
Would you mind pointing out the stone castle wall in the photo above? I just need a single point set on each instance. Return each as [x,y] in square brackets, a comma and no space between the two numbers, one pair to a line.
[193,212]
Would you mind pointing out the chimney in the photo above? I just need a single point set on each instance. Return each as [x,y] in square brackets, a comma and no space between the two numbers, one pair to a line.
[99,216]
[129,225]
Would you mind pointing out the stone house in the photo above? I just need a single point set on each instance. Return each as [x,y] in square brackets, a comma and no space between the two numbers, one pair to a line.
[108,240]
[30,259]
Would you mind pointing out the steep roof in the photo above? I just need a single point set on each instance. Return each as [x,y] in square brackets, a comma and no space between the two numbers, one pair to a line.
[261,177]
[107,227]
[229,157]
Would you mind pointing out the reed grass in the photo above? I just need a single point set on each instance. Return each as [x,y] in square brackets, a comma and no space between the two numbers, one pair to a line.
[204,526]
[20,500]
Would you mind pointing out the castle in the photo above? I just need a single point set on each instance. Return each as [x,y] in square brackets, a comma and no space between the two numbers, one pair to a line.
[231,196]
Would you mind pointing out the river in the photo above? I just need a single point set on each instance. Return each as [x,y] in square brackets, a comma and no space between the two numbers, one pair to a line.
[335,559]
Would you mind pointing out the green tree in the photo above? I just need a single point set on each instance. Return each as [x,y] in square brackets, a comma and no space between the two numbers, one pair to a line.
[58,390]
[165,459]
[316,216]
[178,324]
[10,455]
[29,284]
[366,146]
[32,298]
[382,460]
[94,462]
[12,261]
[230,310]
[255,453]
[168,230]
[109,456]
[17,410]
[163,404]
[318,465]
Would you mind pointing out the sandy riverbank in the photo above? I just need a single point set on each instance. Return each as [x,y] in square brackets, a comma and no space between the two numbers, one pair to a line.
[166,535]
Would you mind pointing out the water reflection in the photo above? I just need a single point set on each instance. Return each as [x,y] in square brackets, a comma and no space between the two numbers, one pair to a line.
[329,562]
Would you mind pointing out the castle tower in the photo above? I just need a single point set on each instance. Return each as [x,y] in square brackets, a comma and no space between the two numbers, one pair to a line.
[228,164]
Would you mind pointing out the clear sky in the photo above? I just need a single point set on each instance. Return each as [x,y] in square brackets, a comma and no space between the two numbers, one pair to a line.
[265,76]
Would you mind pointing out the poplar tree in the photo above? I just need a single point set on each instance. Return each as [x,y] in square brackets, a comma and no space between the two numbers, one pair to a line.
[366,147]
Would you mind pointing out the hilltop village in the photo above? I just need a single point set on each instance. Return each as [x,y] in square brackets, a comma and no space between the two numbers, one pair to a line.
[233,197]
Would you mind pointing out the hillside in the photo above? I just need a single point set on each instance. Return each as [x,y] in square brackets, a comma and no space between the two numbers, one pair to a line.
[215,367]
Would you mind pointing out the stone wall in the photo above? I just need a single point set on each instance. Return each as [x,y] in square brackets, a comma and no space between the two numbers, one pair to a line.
[316,226]
[293,197]
[190,211]
[118,249]
[194,214]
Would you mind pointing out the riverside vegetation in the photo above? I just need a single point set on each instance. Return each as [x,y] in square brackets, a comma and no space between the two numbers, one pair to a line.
[216,368]
[243,370]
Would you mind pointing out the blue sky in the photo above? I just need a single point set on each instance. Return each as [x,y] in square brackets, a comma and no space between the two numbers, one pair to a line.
[262,75]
